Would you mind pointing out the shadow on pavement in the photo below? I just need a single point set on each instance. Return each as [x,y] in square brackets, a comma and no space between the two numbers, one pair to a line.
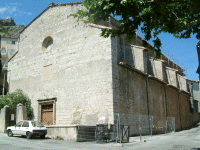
[37,137]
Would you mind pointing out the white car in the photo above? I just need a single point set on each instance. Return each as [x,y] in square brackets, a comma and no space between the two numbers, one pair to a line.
[28,129]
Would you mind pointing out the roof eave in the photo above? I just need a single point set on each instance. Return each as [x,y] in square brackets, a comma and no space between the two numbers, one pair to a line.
[47,9]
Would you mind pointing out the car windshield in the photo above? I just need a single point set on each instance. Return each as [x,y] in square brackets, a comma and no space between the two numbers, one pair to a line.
[19,124]
[37,124]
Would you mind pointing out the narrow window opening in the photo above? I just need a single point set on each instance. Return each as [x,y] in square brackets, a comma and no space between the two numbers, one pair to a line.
[47,44]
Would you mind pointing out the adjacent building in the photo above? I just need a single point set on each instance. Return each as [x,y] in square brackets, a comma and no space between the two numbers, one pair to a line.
[9,46]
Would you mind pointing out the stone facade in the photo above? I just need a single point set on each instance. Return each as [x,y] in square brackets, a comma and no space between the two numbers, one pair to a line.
[87,78]
[76,68]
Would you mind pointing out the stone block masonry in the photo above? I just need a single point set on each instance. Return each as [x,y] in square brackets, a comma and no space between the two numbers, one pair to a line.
[75,69]
[21,113]
[145,86]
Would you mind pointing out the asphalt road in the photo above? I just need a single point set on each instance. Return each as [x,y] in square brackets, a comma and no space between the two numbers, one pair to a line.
[184,140]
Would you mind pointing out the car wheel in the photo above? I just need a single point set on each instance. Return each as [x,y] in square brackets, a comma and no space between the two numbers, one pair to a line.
[42,136]
[9,132]
[28,135]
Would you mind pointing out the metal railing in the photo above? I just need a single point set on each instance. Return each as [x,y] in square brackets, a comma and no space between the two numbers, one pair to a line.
[124,127]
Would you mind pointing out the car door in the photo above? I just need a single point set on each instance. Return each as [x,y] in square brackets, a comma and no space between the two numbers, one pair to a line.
[16,129]
[24,128]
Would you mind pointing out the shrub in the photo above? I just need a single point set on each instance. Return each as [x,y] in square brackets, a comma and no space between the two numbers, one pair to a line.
[14,98]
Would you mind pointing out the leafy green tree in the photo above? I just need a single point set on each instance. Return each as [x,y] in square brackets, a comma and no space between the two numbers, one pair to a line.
[14,98]
[178,17]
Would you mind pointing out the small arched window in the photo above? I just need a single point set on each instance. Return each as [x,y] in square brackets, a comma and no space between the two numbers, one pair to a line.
[47,43]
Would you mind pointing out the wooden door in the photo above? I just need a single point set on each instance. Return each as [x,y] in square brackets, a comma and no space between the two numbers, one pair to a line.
[47,114]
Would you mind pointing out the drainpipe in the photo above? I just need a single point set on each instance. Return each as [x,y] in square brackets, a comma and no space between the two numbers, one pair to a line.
[179,108]
[118,67]
[147,91]
[179,90]
[147,81]
[165,89]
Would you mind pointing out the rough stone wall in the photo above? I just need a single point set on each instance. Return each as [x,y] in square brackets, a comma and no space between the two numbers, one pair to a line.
[157,105]
[182,83]
[186,115]
[4,118]
[129,91]
[134,56]
[155,68]
[132,92]
[21,113]
[171,76]
[66,132]
[76,69]
[130,98]
[139,57]
[129,87]
[161,98]
[195,115]
[173,109]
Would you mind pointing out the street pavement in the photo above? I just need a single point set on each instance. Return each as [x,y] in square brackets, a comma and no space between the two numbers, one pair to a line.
[183,140]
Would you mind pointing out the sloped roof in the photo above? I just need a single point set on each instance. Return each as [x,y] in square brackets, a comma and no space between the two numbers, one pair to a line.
[50,6]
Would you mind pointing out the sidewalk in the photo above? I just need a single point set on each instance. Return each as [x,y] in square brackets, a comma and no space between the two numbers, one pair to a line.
[183,140]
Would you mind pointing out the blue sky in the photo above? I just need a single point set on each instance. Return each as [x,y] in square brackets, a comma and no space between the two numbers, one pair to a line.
[182,51]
